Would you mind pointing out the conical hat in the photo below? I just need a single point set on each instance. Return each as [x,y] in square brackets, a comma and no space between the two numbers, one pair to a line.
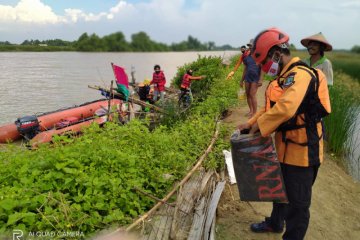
[319,38]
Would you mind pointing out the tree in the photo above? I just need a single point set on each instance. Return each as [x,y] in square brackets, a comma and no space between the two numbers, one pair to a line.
[141,42]
[182,46]
[292,47]
[225,47]
[194,44]
[211,46]
[90,43]
[355,49]
[116,42]
[5,43]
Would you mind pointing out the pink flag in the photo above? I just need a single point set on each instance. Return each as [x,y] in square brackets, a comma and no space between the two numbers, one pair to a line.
[120,75]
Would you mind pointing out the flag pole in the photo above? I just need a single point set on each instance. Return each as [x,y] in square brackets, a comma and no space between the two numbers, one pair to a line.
[109,103]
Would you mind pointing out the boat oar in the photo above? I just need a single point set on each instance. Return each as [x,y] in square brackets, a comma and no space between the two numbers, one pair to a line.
[130,99]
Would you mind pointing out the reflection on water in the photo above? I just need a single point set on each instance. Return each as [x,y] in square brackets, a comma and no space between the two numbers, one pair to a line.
[354,156]
[40,82]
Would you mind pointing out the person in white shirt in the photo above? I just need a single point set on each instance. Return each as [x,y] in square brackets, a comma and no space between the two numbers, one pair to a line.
[316,46]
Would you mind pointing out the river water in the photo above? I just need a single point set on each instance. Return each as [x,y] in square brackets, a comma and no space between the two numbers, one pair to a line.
[33,82]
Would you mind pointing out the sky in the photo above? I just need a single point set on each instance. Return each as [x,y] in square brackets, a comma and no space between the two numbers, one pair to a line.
[232,22]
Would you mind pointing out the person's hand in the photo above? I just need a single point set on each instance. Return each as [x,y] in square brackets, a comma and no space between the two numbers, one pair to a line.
[242,83]
[203,76]
[230,75]
[254,128]
[260,83]
[244,126]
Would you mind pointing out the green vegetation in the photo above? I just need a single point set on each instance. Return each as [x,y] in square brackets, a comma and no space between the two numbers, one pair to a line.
[345,102]
[355,49]
[115,42]
[348,63]
[86,183]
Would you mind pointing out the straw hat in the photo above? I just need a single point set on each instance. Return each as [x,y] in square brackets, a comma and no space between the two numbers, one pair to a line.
[318,38]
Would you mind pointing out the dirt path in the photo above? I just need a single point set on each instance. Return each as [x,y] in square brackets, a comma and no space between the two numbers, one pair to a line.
[335,209]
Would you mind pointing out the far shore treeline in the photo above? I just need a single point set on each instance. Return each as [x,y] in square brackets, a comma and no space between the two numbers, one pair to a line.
[115,42]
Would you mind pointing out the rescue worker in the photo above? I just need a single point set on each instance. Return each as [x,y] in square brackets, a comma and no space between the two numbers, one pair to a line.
[185,86]
[295,117]
[316,46]
[158,81]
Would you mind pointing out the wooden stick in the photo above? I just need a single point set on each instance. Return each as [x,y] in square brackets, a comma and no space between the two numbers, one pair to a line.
[108,110]
[167,197]
[153,197]
[130,99]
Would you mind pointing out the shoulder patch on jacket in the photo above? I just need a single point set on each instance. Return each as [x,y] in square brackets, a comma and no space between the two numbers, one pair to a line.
[289,80]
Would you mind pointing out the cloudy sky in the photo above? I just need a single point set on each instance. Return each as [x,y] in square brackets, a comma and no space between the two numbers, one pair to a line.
[231,22]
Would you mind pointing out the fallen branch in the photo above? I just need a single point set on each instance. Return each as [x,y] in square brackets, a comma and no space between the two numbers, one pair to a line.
[130,99]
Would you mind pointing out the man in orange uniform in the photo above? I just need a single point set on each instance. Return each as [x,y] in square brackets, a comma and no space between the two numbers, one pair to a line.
[295,117]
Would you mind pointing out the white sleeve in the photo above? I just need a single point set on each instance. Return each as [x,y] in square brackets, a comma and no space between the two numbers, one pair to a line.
[328,71]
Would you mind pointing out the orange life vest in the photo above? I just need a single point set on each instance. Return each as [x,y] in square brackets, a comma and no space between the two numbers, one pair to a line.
[159,81]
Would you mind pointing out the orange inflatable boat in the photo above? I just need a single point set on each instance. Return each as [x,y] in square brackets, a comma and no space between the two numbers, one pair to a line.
[55,122]
[46,136]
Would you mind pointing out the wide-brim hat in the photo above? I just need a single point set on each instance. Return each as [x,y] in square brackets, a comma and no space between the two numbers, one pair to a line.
[318,38]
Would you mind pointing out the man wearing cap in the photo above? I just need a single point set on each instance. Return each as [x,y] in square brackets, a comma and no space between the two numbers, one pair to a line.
[295,117]
[316,46]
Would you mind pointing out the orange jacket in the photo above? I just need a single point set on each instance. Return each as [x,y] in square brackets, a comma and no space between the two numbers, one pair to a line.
[299,147]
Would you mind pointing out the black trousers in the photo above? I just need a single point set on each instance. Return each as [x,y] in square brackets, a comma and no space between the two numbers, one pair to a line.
[184,91]
[298,182]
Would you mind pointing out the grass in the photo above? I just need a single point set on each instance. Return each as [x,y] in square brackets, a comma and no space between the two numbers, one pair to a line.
[348,63]
[340,125]
[341,122]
